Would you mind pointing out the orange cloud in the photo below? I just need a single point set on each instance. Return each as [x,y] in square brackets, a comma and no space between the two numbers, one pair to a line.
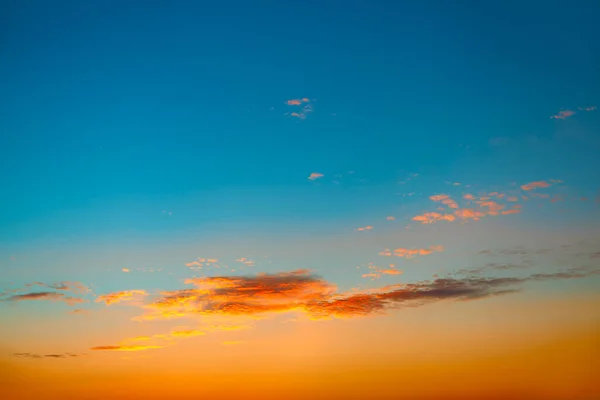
[116,297]
[439,197]
[492,206]
[125,269]
[298,115]
[297,102]
[125,348]
[391,271]
[429,218]
[365,228]
[469,196]
[469,213]
[315,175]
[563,114]
[187,333]
[450,203]
[410,253]
[300,291]
[515,211]
[390,218]
[512,198]
[534,185]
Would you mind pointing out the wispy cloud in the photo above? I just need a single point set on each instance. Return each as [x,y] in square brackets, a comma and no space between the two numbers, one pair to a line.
[315,175]
[116,297]
[40,356]
[125,348]
[365,228]
[303,107]
[535,185]
[410,253]
[188,333]
[52,296]
[563,114]
[69,286]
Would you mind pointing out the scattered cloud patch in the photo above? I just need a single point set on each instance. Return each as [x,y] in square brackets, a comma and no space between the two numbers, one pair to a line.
[117,297]
[535,185]
[315,175]
[411,253]
[563,114]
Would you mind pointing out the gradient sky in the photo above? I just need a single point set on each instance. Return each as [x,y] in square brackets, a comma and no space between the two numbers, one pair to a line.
[275,199]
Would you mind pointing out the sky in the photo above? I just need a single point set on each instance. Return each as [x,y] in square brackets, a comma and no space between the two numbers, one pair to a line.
[276,199]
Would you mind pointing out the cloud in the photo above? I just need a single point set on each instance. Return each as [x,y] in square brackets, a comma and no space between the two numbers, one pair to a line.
[431,217]
[303,107]
[515,211]
[188,333]
[75,287]
[563,114]
[52,296]
[390,218]
[302,292]
[410,253]
[116,297]
[469,213]
[439,197]
[420,293]
[125,269]
[124,348]
[365,228]
[535,185]
[246,261]
[297,102]
[39,356]
[298,115]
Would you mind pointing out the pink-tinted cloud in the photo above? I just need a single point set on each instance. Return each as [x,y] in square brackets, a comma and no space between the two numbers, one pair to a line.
[297,102]
[410,253]
[431,217]
[535,185]
[514,211]
[469,213]
[365,228]
[439,197]
[298,115]
[315,175]
[563,114]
